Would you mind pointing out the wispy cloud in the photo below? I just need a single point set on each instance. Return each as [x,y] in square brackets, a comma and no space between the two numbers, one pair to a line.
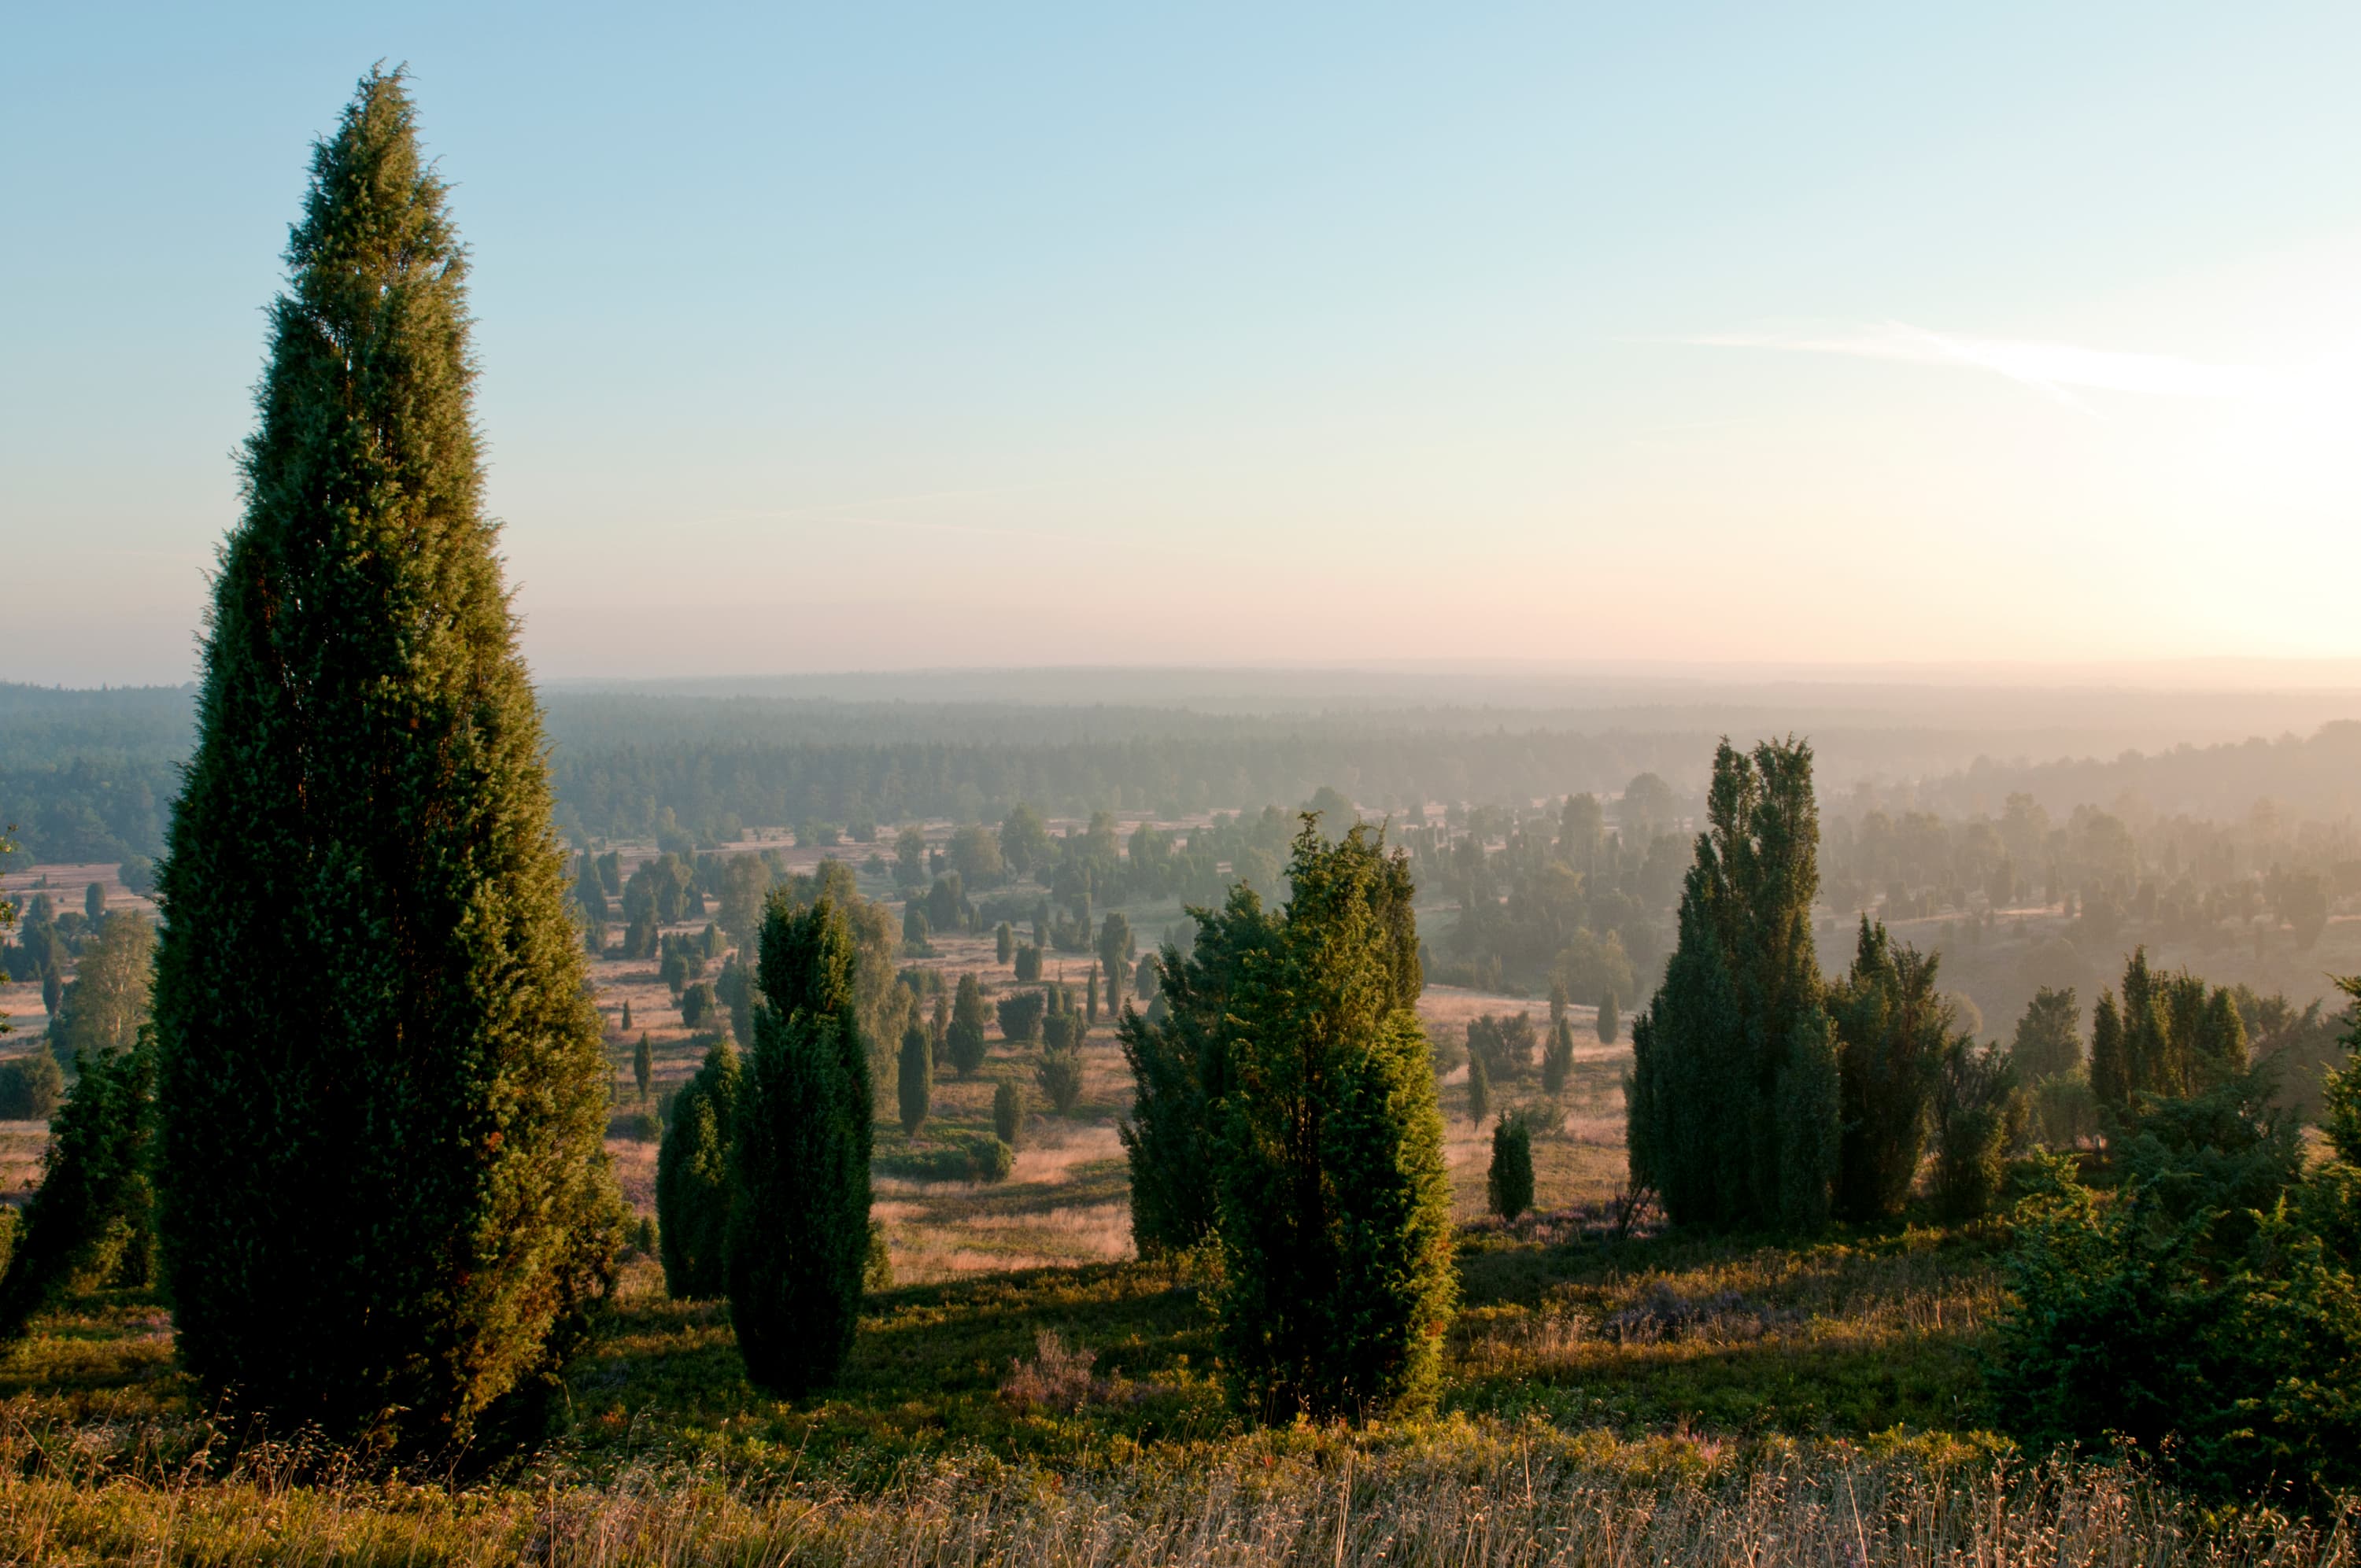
[2056,371]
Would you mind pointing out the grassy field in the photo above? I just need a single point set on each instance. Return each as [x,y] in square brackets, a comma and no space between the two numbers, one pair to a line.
[1028,1392]
[1644,1401]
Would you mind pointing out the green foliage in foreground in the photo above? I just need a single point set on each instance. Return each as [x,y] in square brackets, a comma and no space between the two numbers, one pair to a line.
[2208,1308]
[1335,1207]
[383,1199]
[798,1229]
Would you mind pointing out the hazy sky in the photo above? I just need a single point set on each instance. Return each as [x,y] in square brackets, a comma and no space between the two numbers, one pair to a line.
[879,337]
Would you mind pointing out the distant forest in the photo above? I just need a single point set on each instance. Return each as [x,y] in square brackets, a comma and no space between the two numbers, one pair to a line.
[88,775]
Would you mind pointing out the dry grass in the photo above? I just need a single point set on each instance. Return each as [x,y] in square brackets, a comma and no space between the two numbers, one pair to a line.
[1445,1496]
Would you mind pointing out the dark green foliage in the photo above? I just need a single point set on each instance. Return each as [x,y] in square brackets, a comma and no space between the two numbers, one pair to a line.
[1061,1076]
[1029,964]
[1557,1059]
[2167,1036]
[674,972]
[1021,1012]
[1893,1032]
[1557,1003]
[914,1082]
[590,893]
[1480,1089]
[1733,1099]
[92,1219]
[693,1183]
[1004,942]
[1509,1180]
[916,930]
[93,903]
[1180,1073]
[624,1023]
[734,990]
[699,1009]
[989,1159]
[1335,1207]
[1978,1116]
[2205,1308]
[2341,1095]
[1610,1020]
[964,1039]
[1505,1045]
[30,1087]
[643,1065]
[383,1197]
[1114,949]
[2048,1036]
[1090,1012]
[1008,1113]
[800,1217]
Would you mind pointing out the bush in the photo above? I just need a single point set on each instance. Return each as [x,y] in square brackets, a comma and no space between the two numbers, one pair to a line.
[1021,1013]
[2203,1309]
[1029,964]
[964,1039]
[636,1126]
[989,1159]
[1508,1183]
[1060,1073]
[1008,1113]
[93,1214]
[913,1086]
[30,1086]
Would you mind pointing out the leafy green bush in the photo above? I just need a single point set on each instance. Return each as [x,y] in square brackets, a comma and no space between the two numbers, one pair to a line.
[2204,1309]
[1008,1113]
[30,1087]
[1061,1075]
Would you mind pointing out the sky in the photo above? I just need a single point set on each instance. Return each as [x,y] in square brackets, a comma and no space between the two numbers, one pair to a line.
[884,336]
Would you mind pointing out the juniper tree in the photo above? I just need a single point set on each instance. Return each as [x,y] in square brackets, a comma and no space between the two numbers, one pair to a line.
[1557,1003]
[1180,1070]
[643,1065]
[1008,1113]
[1732,1102]
[693,1181]
[92,1215]
[1480,1089]
[383,1196]
[799,1166]
[1004,942]
[1090,1008]
[1509,1180]
[2048,1039]
[964,1038]
[1610,1020]
[914,1082]
[625,1023]
[1059,1073]
[1557,1061]
[1334,1206]
[1114,957]
[1893,1032]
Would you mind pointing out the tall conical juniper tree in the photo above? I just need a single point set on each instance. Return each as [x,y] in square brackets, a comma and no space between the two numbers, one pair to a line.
[1733,1099]
[799,1215]
[1334,1205]
[384,1201]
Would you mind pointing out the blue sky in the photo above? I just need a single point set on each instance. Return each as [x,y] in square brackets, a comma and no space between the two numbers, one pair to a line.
[891,337]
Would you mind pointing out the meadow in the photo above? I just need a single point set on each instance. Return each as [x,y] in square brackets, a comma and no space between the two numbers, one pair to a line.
[1028,1391]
